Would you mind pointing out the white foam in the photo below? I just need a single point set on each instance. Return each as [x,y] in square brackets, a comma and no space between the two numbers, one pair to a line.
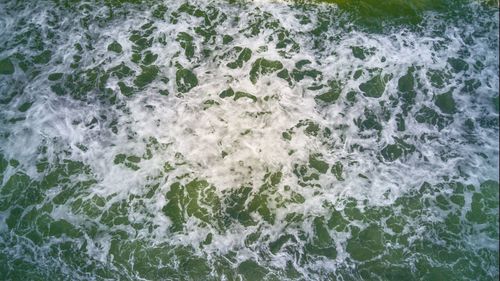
[250,133]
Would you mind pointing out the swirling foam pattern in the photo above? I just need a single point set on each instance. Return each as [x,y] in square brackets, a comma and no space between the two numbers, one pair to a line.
[239,140]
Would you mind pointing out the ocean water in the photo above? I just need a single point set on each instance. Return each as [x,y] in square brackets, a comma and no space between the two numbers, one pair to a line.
[249,140]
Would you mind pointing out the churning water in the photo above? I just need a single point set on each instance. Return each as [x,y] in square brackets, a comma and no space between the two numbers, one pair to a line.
[240,140]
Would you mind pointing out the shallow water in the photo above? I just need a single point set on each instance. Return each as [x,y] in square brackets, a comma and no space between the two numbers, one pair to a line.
[235,140]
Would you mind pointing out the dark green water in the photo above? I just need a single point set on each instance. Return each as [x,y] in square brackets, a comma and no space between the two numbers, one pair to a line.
[235,140]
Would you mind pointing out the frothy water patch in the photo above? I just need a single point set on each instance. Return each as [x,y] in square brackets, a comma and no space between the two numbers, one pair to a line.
[262,140]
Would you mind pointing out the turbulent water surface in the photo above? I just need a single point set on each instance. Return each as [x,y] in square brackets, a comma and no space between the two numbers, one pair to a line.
[239,140]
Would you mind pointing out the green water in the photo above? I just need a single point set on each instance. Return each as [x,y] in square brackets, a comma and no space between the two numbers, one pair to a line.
[239,140]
